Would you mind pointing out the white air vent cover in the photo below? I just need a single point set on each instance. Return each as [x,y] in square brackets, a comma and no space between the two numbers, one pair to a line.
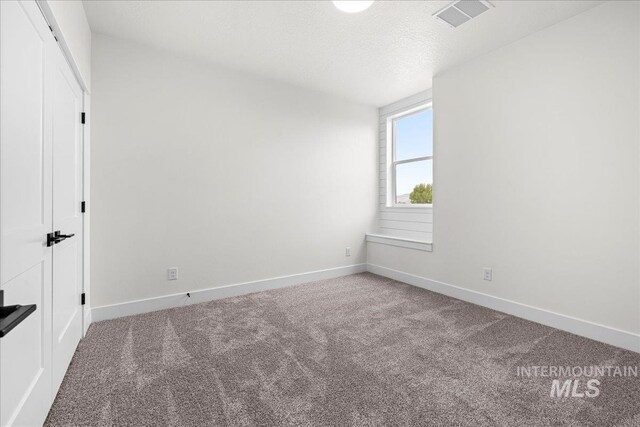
[459,12]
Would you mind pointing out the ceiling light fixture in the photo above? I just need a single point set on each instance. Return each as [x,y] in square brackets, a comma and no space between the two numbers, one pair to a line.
[353,6]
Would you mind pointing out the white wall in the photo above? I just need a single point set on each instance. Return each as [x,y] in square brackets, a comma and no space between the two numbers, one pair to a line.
[537,172]
[229,177]
[75,32]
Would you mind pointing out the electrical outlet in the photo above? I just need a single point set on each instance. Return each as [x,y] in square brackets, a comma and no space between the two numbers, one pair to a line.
[172,273]
[487,274]
[347,252]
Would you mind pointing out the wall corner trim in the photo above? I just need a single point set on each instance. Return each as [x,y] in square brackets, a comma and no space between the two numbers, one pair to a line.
[131,308]
[87,321]
[584,328]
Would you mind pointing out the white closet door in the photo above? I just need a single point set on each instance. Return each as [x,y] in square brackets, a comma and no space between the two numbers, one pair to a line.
[67,216]
[25,211]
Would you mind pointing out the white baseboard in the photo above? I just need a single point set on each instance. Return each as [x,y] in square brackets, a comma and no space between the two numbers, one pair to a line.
[594,331]
[176,300]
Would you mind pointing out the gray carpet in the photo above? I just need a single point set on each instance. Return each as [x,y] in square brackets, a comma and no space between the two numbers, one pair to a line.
[359,350]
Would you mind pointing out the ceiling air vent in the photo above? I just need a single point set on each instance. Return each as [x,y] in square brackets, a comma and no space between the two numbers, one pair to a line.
[459,12]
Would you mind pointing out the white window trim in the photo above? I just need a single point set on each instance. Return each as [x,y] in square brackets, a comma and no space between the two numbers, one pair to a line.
[400,242]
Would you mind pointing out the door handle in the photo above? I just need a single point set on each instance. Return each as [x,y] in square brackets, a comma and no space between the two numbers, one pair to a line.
[56,237]
[12,315]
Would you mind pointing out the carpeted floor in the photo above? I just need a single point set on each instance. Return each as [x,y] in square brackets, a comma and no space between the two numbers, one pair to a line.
[358,350]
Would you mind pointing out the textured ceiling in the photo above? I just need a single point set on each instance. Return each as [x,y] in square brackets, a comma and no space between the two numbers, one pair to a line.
[385,53]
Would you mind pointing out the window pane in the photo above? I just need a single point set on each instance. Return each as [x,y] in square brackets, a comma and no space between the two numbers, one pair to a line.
[414,135]
[414,180]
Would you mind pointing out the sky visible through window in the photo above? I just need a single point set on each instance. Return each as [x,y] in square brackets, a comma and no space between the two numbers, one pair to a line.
[413,138]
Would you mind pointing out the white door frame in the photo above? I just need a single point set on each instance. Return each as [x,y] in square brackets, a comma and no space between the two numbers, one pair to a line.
[86,217]
[86,148]
[66,51]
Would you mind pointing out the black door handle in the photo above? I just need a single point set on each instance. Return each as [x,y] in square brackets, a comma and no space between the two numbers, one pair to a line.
[12,315]
[56,237]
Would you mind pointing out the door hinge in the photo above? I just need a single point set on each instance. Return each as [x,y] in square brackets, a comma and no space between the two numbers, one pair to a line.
[83,117]
[83,206]
[52,33]
[82,298]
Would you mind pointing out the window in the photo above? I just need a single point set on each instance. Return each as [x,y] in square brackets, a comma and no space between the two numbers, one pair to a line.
[411,159]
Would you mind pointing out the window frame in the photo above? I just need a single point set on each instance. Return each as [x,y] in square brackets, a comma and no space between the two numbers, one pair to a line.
[392,163]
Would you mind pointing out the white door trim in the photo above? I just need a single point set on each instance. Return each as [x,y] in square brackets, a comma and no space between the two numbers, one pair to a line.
[64,46]
[86,218]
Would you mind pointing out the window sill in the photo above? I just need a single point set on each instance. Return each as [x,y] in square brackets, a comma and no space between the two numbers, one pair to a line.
[402,242]
[398,208]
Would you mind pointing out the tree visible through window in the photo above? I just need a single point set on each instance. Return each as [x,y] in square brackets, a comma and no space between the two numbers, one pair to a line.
[412,163]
